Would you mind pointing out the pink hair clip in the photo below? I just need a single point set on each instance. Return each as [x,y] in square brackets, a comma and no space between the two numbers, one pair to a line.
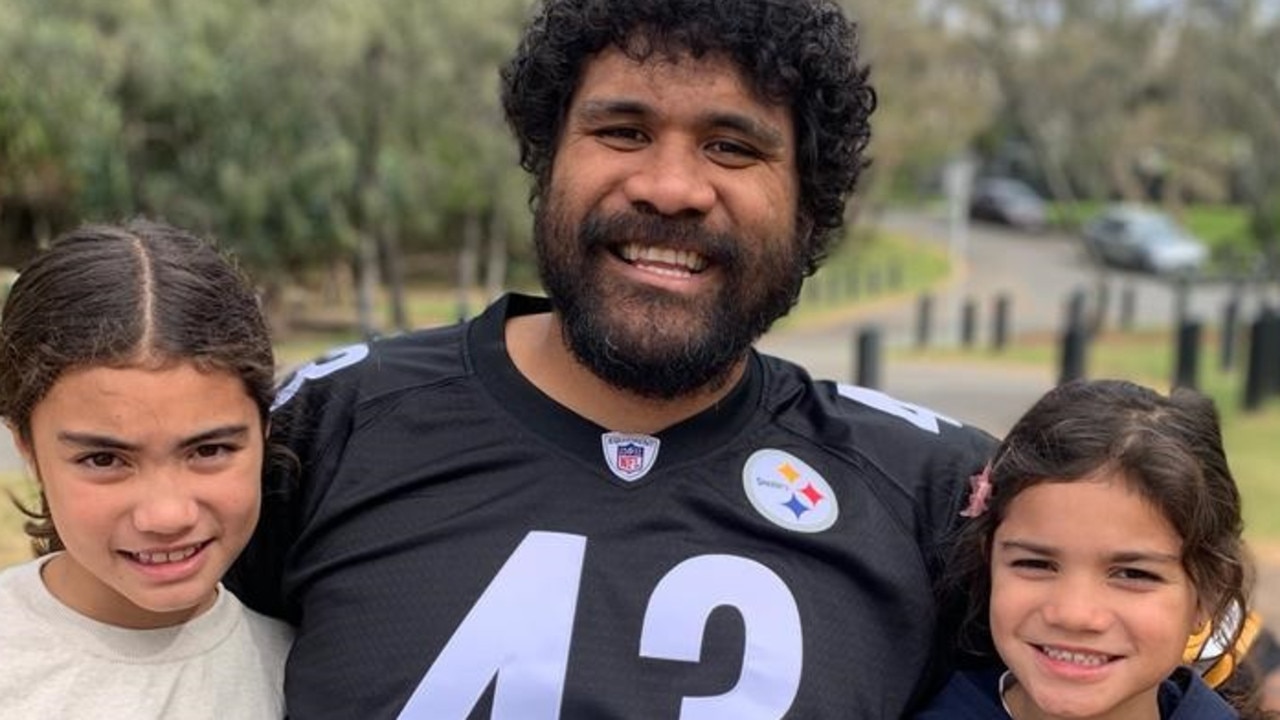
[979,493]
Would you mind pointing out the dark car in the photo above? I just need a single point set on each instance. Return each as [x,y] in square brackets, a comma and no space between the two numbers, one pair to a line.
[1146,239]
[1010,202]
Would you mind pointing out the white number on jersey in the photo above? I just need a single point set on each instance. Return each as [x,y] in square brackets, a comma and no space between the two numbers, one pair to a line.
[774,655]
[333,362]
[921,417]
[520,631]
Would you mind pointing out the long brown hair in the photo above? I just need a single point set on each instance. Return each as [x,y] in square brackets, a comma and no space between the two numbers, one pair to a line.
[1168,449]
[140,293]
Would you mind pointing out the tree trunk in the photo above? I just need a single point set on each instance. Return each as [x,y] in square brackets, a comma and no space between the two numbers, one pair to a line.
[393,273]
[365,267]
[468,263]
[495,278]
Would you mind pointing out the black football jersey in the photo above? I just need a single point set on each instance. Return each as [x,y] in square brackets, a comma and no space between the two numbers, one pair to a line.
[455,544]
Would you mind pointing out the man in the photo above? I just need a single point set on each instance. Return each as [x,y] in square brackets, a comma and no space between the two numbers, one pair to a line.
[607,505]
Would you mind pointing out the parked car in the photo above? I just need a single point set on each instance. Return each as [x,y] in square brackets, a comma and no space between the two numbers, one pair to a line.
[1010,202]
[1146,239]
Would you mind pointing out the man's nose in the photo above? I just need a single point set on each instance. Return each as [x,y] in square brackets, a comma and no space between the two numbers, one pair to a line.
[673,179]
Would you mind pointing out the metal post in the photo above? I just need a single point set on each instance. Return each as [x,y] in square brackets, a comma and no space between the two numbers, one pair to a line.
[1229,331]
[1074,344]
[924,320]
[1254,384]
[1000,331]
[1075,309]
[1187,355]
[1128,307]
[968,322]
[867,372]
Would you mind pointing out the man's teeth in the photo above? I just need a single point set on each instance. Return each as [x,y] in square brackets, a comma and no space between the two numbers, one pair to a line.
[156,558]
[691,261]
[1075,658]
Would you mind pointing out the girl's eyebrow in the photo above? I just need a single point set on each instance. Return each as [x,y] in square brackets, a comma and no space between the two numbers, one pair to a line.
[106,442]
[1123,556]
[93,440]
[1149,556]
[1028,546]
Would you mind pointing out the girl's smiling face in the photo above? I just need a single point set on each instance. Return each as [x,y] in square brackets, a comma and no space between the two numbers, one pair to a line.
[152,477]
[1090,605]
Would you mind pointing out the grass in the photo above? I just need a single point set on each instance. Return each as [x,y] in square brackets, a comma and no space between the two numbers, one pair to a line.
[866,269]
[1147,357]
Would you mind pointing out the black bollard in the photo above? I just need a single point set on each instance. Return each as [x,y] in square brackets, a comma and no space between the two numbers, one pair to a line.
[1000,329]
[1075,309]
[1230,329]
[1074,344]
[867,352]
[1254,378]
[1271,350]
[924,320]
[968,323]
[1128,307]
[1181,300]
[1187,355]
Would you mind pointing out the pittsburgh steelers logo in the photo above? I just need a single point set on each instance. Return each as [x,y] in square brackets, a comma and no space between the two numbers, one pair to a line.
[789,493]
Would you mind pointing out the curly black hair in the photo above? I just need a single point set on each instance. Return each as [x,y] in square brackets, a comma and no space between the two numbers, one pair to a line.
[802,53]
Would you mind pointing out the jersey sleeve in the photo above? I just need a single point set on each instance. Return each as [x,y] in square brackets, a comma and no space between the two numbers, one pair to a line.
[310,422]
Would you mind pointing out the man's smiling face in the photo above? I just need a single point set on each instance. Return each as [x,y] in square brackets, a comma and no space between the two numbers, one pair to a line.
[667,239]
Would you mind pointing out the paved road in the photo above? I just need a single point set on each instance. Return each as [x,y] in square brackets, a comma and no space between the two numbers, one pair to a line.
[1039,273]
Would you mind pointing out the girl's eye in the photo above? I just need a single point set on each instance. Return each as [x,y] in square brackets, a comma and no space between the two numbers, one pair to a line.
[100,460]
[1137,575]
[213,450]
[1031,564]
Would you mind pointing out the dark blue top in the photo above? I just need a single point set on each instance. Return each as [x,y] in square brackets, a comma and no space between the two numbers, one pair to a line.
[975,695]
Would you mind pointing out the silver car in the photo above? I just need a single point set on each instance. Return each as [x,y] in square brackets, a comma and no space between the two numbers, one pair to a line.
[1146,239]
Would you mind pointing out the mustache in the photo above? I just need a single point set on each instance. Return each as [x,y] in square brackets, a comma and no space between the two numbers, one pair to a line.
[600,231]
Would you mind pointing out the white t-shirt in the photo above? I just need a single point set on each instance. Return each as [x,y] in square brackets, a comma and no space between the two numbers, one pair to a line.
[225,664]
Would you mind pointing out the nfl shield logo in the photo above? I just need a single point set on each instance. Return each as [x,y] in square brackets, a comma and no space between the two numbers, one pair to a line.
[629,457]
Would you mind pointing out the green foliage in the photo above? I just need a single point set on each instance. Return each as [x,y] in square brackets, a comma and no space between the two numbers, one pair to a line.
[289,129]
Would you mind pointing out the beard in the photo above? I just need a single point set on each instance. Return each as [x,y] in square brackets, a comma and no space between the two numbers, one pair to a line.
[647,340]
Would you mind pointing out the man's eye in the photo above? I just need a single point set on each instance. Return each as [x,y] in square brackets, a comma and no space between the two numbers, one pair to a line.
[627,135]
[733,154]
[733,148]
